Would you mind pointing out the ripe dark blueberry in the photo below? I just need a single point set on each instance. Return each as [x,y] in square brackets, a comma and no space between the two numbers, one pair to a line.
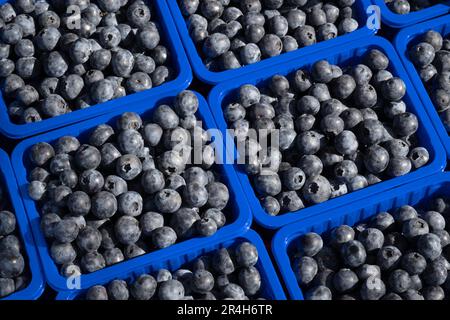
[429,245]
[353,253]
[388,257]
[435,274]
[344,280]
[305,269]
[311,244]
[399,281]
[373,288]
[163,237]
[372,239]
[415,227]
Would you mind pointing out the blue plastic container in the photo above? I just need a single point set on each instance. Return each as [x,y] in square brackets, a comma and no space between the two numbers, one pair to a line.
[36,285]
[179,64]
[350,54]
[404,40]
[285,242]
[239,216]
[396,20]
[271,288]
[210,77]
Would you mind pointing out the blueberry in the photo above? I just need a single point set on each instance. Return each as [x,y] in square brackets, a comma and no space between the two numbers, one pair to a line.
[413,263]
[344,280]
[55,64]
[113,256]
[27,95]
[353,253]
[62,253]
[118,290]
[24,48]
[150,221]
[71,86]
[12,83]
[415,227]
[89,239]
[388,257]
[373,288]
[435,274]
[7,12]
[138,14]
[317,189]
[102,91]
[399,281]
[215,45]
[382,221]
[429,245]
[171,290]
[372,239]
[250,280]
[104,205]
[310,244]
[109,154]
[305,36]
[405,124]
[435,220]
[433,293]
[65,231]
[97,293]
[143,288]
[163,237]
[161,75]
[419,157]
[222,262]
[305,269]
[7,287]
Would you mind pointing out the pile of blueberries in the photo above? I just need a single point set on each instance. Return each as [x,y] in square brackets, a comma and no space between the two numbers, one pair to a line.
[228,274]
[399,256]
[407,6]
[431,56]
[52,62]
[339,130]
[233,33]
[13,265]
[129,190]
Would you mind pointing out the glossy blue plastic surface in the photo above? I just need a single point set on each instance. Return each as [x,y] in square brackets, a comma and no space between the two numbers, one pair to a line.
[285,242]
[396,20]
[210,77]
[238,214]
[345,55]
[404,40]
[271,288]
[180,65]
[35,287]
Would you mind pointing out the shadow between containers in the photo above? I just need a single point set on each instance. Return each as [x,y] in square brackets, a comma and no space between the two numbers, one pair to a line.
[179,62]
[285,241]
[351,53]
[200,70]
[238,210]
[404,40]
[271,286]
[36,285]
[396,20]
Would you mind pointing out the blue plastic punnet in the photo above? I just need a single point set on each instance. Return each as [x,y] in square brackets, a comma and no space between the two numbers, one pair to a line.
[36,284]
[286,241]
[349,54]
[238,214]
[361,10]
[405,39]
[270,285]
[179,64]
[396,20]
